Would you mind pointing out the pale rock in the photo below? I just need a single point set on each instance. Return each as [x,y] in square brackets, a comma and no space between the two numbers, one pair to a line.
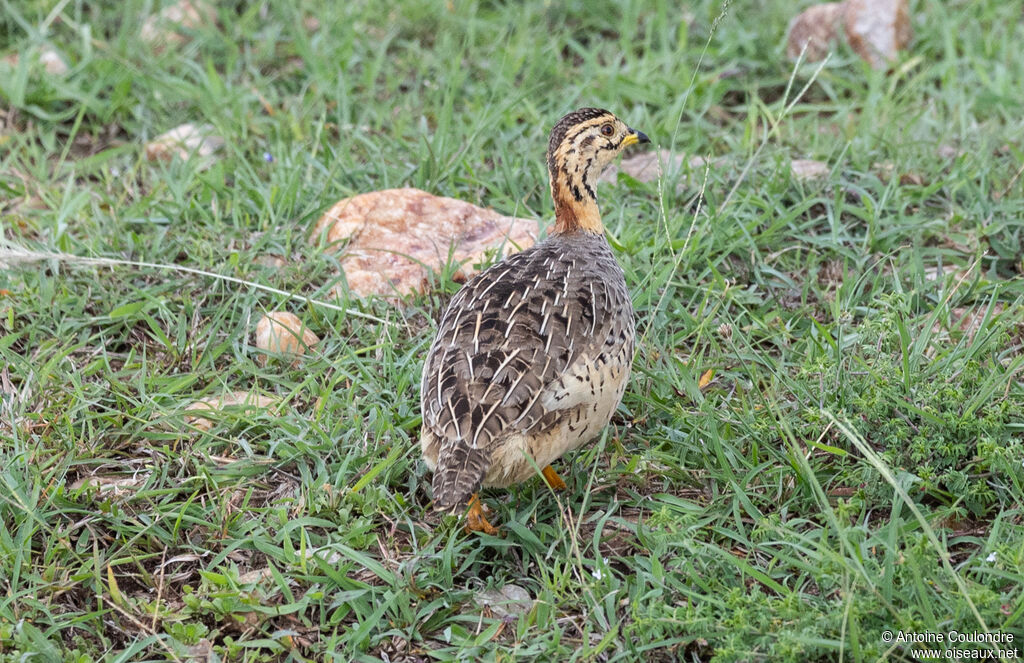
[169,27]
[808,169]
[649,166]
[877,30]
[53,63]
[283,333]
[244,400]
[51,60]
[184,141]
[816,28]
[391,240]
[270,261]
[508,602]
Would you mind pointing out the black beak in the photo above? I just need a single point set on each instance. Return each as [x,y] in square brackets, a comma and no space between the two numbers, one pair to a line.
[641,137]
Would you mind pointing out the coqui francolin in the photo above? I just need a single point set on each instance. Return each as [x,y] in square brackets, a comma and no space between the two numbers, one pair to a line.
[533,354]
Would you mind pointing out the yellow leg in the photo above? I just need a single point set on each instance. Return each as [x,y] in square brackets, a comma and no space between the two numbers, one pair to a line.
[553,479]
[475,519]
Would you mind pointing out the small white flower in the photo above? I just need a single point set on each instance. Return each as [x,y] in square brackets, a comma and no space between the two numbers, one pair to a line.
[991,557]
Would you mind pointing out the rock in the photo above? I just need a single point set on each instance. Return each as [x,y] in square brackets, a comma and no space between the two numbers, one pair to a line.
[648,166]
[256,575]
[391,240]
[283,333]
[886,169]
[240,399]
[809,169]
[53,63]
[878,29]
[171,25]
[270,261]
[875,29]
[51,60]
[184,141]
[816,28]
[508,602]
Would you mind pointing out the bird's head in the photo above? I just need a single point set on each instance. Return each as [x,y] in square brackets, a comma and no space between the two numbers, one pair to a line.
[582,144]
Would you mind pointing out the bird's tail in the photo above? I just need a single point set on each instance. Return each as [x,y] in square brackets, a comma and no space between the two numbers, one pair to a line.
[460,471]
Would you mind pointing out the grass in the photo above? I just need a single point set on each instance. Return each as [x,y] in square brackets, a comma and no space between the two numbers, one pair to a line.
[856,465]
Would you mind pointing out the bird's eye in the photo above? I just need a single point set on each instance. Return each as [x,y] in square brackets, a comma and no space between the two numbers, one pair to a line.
[607,130]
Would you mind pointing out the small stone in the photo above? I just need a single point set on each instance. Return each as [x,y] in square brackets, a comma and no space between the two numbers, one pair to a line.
[53,63]
[817,28]
[51,60]
[270,261]
[809,169]
[878,29]
[390,241]
[171,25]
[256,575]
[648,166]
[239,399]
[184,141]
[886,169]
[283,333]
[508,602]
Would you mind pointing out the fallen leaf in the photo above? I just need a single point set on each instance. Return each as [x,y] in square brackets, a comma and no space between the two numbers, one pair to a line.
[706,378]
[116,485]
[115,591]
[391,240]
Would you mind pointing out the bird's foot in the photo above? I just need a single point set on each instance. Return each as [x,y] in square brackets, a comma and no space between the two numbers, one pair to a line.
[476,521]
[556,482]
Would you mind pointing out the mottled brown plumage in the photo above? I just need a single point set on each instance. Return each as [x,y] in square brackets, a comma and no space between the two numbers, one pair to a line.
[532,355]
